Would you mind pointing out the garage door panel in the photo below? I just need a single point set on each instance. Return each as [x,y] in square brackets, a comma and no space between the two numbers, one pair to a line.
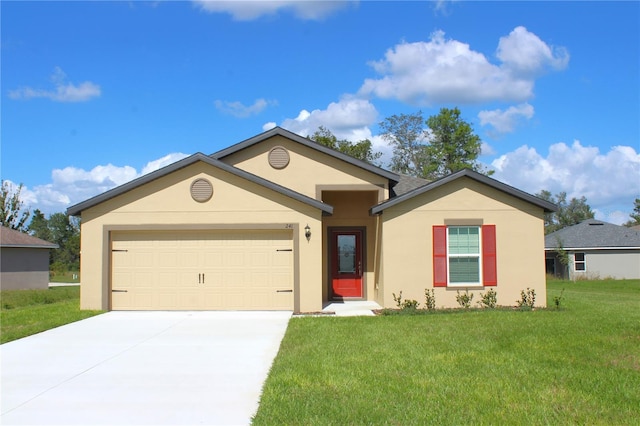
[202,270]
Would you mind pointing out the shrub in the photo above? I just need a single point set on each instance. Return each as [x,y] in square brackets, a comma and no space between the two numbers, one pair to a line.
[464,300]
[405,304]
[430,297]
[488,299]
[557,300]
[527,299]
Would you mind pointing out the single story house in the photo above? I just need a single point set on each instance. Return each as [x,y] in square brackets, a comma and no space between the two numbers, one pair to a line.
[24,260]
[280,222]
[593,249]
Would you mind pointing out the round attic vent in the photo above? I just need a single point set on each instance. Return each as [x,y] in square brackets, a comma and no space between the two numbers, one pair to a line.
[278,157]
[201,190]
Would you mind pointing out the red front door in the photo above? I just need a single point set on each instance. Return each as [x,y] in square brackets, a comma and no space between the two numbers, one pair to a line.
[346,263]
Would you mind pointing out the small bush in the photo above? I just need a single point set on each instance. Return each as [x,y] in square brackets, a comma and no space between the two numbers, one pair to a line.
[405,304]
[430,298]
[527,299]
[557,300]
[488,299]
[464,300]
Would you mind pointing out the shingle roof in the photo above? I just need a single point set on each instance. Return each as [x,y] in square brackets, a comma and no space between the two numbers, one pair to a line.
[546,205]
[12,238]
[593,234]
[78,208]
[408,183]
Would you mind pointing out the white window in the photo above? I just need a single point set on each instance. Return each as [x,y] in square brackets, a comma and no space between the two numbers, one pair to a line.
[579,262]
[463,253]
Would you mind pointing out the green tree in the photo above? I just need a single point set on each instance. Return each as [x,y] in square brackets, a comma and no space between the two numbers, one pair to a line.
[635,215]
[569,213]
[62,230]
[13,214]
[452,145]
[431,149]
[362,150]
[406,133]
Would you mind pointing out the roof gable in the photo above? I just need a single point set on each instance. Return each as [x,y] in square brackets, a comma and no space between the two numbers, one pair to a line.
[594,234]
[279,131]
[185,162]
[547,206]
[12,238]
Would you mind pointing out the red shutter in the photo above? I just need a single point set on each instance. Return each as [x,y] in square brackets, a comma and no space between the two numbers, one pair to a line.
[439,256]
[489,264]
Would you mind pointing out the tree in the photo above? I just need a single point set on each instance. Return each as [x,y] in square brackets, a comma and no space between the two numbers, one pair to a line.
[13,214]
[406,134]
[62,230]
[452,146]
[362,150]
[431,149]
[635,215]
[569,213]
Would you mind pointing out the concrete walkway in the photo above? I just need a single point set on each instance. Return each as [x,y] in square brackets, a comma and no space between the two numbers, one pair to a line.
[142,368]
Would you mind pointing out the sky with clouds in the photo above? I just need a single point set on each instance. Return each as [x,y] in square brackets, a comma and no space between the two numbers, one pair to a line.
[95,94]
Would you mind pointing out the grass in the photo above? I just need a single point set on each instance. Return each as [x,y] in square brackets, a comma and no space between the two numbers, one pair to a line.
[27,312]
[576,365]
[65,277]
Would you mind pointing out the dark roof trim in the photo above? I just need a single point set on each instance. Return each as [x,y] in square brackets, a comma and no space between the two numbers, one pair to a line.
[279,131]
[547,206]
[78,208]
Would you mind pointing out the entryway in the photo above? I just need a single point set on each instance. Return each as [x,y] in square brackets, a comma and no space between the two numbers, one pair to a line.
[346,254]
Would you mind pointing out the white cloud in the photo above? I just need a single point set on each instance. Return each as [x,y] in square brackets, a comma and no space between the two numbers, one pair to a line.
[63,91]
[506,121]
[250,10]
[609,181]
[72,185]
[238,109]
[348,118]
[524,53]
[448,71]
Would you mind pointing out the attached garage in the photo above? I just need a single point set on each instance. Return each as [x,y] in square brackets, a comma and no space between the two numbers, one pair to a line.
[202,270]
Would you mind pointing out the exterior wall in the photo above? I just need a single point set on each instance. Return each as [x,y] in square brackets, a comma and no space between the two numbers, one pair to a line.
[24,268]
[307,170]
[351,209]
[617,264]
[407,238]
[166,204]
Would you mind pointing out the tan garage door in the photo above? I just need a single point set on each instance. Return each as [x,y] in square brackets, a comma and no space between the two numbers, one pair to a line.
[239,270]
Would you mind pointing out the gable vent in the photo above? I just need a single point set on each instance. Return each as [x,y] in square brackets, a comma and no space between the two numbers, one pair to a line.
[278,157]
[201,190]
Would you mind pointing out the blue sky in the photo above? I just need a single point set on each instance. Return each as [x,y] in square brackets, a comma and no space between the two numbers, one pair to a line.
[95,94]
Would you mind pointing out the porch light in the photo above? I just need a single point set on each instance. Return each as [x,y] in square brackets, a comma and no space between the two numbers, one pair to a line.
[307,231]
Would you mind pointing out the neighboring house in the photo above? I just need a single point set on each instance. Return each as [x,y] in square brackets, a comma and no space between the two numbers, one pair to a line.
[24,260]
[279,221]
[594,249]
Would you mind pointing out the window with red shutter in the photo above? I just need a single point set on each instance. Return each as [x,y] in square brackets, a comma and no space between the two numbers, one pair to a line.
[489,260]
[439,256]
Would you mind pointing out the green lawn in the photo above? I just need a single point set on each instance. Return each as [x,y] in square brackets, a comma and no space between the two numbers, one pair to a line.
[65,277]
[26,312]
[576,365]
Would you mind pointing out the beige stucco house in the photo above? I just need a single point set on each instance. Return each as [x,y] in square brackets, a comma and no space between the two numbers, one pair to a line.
[279,222]
[24,260]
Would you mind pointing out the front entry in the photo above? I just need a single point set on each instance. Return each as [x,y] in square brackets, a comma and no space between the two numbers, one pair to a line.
[346,247]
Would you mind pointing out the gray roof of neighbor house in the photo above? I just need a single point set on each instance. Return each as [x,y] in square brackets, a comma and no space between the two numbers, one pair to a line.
[279,131]
[78,208]
[546,205]
[407,183]
[593,234]
[16,239]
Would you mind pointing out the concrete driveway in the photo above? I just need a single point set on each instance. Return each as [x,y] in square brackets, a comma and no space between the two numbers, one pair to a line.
[142,368]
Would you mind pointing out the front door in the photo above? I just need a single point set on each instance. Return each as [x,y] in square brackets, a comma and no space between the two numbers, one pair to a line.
[346,263]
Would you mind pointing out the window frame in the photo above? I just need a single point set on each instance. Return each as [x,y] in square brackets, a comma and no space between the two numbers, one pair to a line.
[582,262]
[479,256]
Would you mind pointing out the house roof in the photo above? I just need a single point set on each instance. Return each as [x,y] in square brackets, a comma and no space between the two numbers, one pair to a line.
[593,234]
[279,131]
[546,205]
[408,183]
[16,239]
[78,208]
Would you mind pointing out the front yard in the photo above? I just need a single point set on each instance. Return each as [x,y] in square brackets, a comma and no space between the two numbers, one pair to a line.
[576,365]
